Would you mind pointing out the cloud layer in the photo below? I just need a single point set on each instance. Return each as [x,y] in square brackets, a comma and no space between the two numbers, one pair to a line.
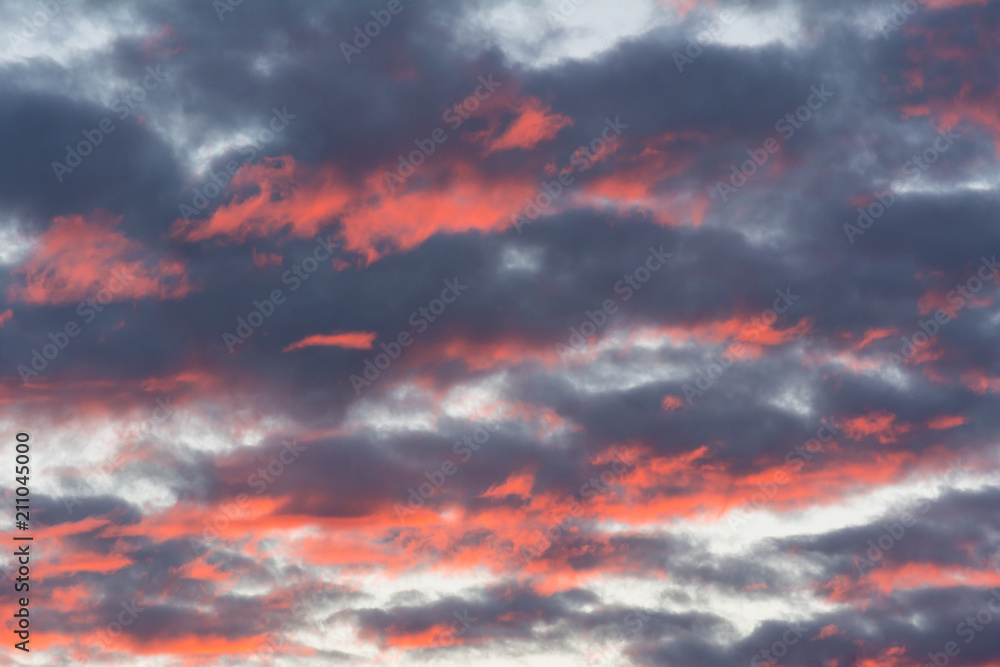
[524,333]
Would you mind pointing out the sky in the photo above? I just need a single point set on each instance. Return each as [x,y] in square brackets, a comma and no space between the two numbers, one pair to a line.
[531,333]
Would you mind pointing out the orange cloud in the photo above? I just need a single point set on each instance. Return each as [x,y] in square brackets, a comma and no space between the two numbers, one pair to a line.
[671,403]
[981,383]
[280,196]
[951,4]
[286,197]
[654,179]
[881,424]
[515,485]
[264,259]
[534,124]
[80,258]
[752,333]
[290,198]
[352,340]
[943,46]
[874,334]
[946,422]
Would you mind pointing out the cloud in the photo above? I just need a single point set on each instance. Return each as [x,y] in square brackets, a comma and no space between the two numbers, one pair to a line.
[80,257]
[467,507]
[353,340]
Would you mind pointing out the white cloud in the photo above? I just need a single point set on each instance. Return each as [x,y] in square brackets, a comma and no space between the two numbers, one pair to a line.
[540,35]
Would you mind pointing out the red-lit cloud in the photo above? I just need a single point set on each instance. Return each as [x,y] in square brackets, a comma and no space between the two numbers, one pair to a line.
[87,257]
[349,340]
